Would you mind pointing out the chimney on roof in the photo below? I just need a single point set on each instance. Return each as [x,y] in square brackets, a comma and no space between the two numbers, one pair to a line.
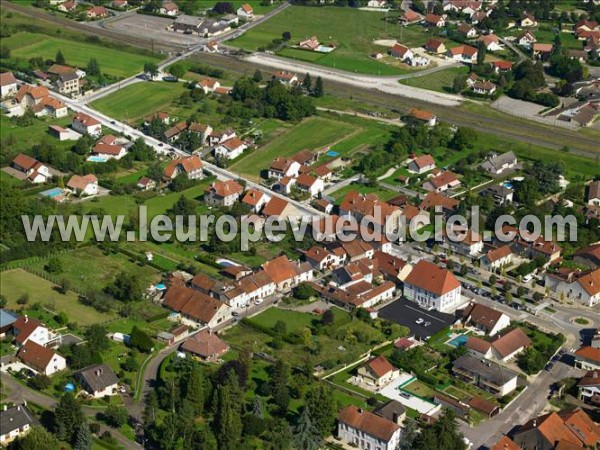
[26,318]
[360,410]
[395,417]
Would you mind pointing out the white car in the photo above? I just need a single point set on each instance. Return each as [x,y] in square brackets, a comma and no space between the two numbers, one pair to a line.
[259,301]
[419,321]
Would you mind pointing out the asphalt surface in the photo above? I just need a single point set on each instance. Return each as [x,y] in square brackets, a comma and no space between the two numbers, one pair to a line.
[406,313]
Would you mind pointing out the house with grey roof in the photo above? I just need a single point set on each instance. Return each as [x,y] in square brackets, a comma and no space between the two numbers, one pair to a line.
[98,380]
[15,421]
[498,164]
[485,374]
[6,322]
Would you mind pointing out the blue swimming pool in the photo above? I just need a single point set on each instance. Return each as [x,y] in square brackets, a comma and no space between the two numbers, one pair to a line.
[51,193]
[507,185]
[332,153]
[96,159]
[458,340]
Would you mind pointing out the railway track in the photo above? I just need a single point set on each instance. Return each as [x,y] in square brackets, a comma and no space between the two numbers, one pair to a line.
[503,125]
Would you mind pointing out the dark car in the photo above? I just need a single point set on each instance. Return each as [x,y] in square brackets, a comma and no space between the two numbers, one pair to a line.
[516,306]
[548,367]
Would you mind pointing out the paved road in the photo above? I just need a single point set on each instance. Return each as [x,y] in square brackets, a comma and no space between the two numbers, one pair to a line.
[19,392]
[340,184]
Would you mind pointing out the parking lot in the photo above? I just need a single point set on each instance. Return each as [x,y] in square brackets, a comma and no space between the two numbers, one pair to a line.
[406,314]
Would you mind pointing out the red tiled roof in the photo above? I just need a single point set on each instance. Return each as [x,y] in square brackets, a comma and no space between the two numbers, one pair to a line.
[188,165]
[107,149]
[432,278]
[483,315]
[252,197]
[505,443]
[424,161]
[87,120]
[593,354]
[477,344]
[7,78]
[421,114]
[368,422]
[192,303]
[436,199]
[81,182]
[24,326]
[275,207]
[510,342]
[380,366]
[25,161]
[499,253]
[35,355]
[444,179]
[247,8]
[280,269]
[432,18]
[206,344]
[225,188]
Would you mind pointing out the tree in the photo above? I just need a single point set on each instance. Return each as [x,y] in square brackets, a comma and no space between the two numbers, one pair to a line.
[96,337]
[196,391]
[177,70]
[54,265]
[493,279]
[318,90]
[227,420]
[67,417]
[3,301]
[116,416]
[93,68]
[257,407]
[59,58]
[328,317]
[460,83]
[83,441]
[151,68]
[65,286]
[40,382]
[126,287]
[322,408]
[38,438]
[286,36]
[280,328]
[23,299]
[409,434]
[258,76]
[481,52]
[304,291]
[141,340]
[306,436]
[464,270]
[280,386]
[442,435]
[463,138]
[307,82]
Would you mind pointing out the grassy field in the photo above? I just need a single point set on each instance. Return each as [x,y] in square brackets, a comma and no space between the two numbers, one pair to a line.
[353,31]
[313,133]
[15,283]
[89,269]
[440,81]
[381,192]
[23,138]
[294,320]
[78,53]
[138,100]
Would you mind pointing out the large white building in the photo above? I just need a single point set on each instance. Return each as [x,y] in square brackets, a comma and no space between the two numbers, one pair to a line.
[582,287]
[366,430]
[433,287]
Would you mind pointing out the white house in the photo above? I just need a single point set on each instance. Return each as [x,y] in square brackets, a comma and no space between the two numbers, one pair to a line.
[15,421]
[367,431]
[433,287]
[401,52]
[497,258]
[489,320]
[580,286]
[223,193]
[191,166]
[83,185]
[588,358]
[526,39]
[98,380]
[208,85]
[255,199]
[310,184]
[26,329]
[421,164]
[40,359]
[169,9]
[34,171]
[8,84]
[286,77]
[377,372]
[245,11]
[593,196]
[230,149]
[287,274]
[485,374]
[377,3]
[283,167]
[497,164]
[85,124]
[464,53]
[589,386]
[322,259]
[106,150]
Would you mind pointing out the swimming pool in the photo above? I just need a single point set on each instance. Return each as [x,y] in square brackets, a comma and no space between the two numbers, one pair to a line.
[324,49]
[226,262]
[51,193]
[507,185]
[96,159]
[332,153]
[458,341]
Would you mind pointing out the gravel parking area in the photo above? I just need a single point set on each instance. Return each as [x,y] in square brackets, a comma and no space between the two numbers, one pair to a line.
[406,313]
[141,25]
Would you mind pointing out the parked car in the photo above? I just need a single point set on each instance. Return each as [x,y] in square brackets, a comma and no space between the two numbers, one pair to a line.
[258,301]
[426,324]
[549,367]
[419,321]
[235,313]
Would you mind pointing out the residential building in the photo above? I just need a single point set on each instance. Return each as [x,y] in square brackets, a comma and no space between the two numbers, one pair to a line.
[34,171]
[146,184]
[489,320]
[287,274]
[223,193]
[107,148]
[588,256]
[322,259]
[501,66]
[85,124]
[492,44]
[503,348]
[311,43]
[195,307]
[462,240]
[421,164]
[8,84]
[169,9]
[377,3]
[587,358]
[501,194]
[42,360]
[246,11]
[442,182]
[83,185]
[161,116]
[460,408]
[420,115]
[498,164]
[436,46]
[485,374]
[68,83]
[528,21]
[463,53]
[392,410]
[287,78]
[205,345]
[589,387]
[496,258]
[467,30]
[483,88]
[401,52]
[409,17]
[7,319]
[278,207]
[361,294]
[15,422]
[98,380]
[593,193]
[190,166]
[435,199]
[433,20]
[505,443]
[67,6]
[97,12]
[283,167]
[378,215]
[526,39]
[230,149]
[367,431]
[377,372]
[26,328]
[393,268]
[433,287]
[567,429]
[310,184]
[255,199]
[576,285]
[542,51]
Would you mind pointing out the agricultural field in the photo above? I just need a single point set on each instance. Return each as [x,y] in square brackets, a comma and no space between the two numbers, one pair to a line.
[138,100]
[17,282]
[115,62]
[352,30]
[313,133]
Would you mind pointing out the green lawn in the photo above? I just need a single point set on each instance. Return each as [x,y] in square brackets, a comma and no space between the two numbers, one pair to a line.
[112,61]
[353,31]
[89,269]
[381,192]
[294,320]
[138,100]
[15,283]
[440,81]
[420,389]
[313,133]
[22,138]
